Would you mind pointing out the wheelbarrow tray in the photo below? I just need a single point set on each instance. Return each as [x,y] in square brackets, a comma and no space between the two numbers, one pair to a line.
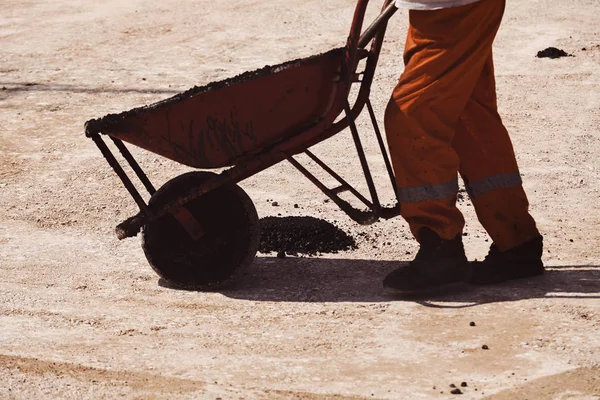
[221,123]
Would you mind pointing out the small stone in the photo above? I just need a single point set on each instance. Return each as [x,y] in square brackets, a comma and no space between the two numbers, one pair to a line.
[465,234]
[281,254]
[275,204]
[471,323]
[571,240]
[485,347]
[456,391]
[452,385]
[463,384]
[296,206]
[552,52]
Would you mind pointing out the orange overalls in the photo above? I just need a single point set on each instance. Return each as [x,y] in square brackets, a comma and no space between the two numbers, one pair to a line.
[442,120]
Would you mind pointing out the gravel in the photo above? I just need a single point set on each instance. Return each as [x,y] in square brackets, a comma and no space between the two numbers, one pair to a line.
[302,235]
[552,52]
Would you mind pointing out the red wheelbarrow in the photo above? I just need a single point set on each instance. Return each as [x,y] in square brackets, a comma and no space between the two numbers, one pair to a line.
[200,227]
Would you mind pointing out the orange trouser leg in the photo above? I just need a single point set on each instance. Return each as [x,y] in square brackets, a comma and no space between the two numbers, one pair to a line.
[445,54]
[489,168]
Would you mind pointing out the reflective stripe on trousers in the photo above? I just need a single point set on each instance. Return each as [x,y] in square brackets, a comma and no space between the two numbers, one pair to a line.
[494,182]
[428,192]
[445,190]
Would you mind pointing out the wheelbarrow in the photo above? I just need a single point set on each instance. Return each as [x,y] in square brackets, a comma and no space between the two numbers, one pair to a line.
[200,228]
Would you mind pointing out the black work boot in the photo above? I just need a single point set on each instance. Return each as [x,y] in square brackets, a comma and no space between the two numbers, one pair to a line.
[522,261]
[439,262]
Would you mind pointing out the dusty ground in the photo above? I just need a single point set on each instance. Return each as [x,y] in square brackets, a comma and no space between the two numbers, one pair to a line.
[83,316]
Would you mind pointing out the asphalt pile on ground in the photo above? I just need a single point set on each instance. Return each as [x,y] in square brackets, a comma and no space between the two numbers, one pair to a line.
[302,235]
[552,52]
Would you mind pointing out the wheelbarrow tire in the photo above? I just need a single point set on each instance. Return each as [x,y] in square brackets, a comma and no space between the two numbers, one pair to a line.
[230,241]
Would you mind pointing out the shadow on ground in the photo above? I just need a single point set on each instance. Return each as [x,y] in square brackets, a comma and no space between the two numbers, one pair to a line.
[342,280]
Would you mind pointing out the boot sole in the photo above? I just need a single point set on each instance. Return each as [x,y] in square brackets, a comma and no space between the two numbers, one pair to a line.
[428,291]
[514,277]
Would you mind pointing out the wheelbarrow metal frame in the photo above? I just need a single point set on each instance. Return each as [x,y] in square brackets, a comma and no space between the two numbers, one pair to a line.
[287,148]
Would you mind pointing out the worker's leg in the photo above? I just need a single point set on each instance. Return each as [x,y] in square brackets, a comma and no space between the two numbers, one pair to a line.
[491,175]
[446,51]
[444,56]
[489,168]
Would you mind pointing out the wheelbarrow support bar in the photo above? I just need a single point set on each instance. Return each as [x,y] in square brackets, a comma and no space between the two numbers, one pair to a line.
[375,209]
[132,225]
[112,161]
[134,165]
[384,153]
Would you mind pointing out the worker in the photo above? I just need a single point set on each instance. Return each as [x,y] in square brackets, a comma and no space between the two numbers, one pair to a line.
[443,120]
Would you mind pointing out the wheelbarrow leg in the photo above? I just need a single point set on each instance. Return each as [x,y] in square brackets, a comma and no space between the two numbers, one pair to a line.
[376,210]
[363,159]
[134,165]
[183,216]
[112,161]
[384,153]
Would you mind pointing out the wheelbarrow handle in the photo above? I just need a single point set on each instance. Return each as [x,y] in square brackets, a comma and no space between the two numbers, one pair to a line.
[382,19]
[356,40]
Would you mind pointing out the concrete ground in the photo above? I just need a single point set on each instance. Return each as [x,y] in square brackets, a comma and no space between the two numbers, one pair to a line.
[82,315]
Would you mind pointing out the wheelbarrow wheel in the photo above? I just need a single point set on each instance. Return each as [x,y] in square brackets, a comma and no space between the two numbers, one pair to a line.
[229,243]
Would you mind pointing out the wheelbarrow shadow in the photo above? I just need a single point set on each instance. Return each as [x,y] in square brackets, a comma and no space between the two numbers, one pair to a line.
[347,280]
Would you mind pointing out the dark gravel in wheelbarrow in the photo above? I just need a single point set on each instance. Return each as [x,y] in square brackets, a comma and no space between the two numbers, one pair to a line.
[302,235]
